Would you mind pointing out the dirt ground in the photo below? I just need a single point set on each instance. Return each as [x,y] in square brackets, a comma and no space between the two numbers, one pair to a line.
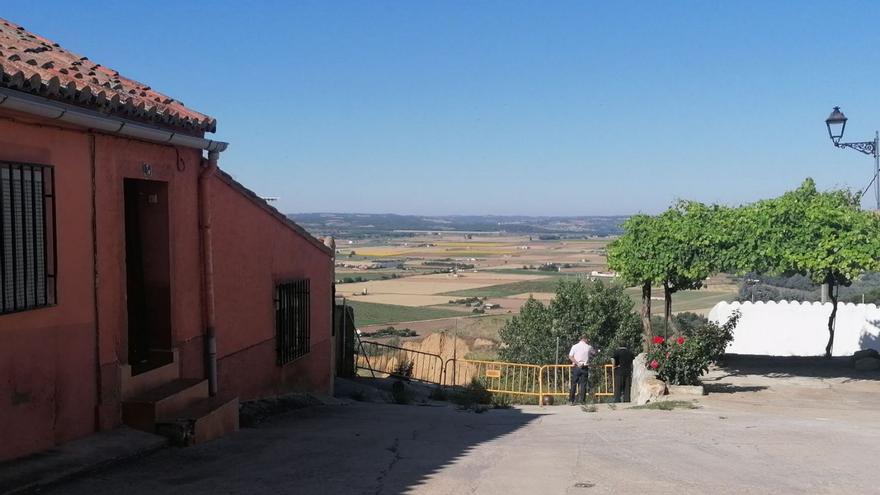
[767,426]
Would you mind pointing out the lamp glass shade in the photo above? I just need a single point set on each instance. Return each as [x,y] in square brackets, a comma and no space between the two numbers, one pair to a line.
[836,123]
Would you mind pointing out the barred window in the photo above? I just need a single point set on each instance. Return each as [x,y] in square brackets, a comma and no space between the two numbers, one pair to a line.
[292,320]
[27,237]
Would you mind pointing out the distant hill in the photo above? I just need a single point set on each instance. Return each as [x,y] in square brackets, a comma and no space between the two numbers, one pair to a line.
[370,224]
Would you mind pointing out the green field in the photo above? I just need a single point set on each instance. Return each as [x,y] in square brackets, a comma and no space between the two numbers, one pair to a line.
[520,271]
[368,275]
[691,300]
[504,290]
[373,313]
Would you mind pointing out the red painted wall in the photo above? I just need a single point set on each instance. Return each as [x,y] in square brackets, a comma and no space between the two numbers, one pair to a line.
[47,356]
[253,250]
[60,366]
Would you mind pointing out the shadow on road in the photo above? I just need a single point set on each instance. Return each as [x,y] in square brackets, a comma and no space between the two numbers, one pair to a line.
[794,366]
[727,388]
[358,448]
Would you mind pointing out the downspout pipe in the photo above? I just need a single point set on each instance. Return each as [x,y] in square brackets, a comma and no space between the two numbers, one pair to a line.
[207,173]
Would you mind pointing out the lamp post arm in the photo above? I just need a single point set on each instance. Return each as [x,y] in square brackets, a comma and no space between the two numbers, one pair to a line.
[866,147]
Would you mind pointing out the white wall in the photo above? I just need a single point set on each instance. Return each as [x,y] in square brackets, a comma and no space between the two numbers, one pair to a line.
[799,329]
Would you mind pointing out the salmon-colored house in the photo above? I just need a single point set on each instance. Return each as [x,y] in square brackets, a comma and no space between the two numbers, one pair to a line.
[139,284]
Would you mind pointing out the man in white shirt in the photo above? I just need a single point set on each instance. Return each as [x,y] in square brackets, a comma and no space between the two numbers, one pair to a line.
[580,355]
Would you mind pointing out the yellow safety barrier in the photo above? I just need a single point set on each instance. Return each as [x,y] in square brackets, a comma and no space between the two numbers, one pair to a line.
[496,376]
[556,380]
[606,386]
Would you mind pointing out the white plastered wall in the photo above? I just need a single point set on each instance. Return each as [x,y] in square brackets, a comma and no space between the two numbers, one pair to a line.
[799,329]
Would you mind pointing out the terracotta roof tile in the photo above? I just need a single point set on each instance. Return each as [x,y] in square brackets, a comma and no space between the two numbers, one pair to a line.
[31,63]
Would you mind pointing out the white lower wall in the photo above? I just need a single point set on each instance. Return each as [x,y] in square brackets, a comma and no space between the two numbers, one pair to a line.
[799,329]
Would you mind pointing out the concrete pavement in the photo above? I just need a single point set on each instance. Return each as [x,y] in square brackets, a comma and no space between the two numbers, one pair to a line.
[755,434]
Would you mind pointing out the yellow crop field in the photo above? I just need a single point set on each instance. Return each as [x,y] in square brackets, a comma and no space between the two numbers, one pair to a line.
[381,252]
[471,244]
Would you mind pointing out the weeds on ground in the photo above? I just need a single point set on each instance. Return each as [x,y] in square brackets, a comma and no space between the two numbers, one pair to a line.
[612,406]
[501,401]
[438,393]
[589,408]
[404,370]
[399,393]
[359,395]
[668,405]
[471,396]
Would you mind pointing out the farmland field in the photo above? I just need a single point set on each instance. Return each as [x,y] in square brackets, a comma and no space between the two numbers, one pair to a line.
[546,284]
[492,274]
[371,313]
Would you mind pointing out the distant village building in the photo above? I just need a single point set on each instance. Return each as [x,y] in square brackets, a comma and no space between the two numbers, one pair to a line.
[385,264]
[599,274]
[133,271]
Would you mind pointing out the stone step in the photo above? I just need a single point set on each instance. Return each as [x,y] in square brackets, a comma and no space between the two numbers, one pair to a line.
[203,421]
[136,384]
[143,411]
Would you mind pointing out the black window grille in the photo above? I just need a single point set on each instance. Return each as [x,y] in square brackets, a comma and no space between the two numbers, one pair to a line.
[27,237]
[292,320]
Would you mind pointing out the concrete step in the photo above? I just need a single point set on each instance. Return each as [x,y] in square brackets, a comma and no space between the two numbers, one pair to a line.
[134,384]
[205,420]
[142,411]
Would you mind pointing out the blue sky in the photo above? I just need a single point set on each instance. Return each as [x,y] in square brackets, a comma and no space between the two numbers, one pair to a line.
[467,107]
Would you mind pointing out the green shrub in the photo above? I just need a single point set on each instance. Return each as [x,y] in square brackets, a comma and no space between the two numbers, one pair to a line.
[681,361]
[359,395]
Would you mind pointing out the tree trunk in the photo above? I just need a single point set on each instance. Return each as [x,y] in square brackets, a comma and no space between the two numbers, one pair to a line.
[647,331]
[667,299]
[833,296]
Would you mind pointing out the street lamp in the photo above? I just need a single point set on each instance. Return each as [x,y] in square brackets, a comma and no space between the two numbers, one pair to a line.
[836,123]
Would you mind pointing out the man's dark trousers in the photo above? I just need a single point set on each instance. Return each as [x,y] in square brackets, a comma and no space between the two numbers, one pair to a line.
[622,384]
[579,380]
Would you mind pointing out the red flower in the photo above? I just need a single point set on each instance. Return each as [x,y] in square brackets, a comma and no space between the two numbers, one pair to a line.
[654,364]
[659,340]
[680,340]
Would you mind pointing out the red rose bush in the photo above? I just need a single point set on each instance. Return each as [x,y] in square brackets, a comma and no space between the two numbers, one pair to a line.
[681,361]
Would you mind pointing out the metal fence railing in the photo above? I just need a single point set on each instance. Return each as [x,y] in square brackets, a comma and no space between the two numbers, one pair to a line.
[496,376]
[399,361]
[530,380]
[556,380]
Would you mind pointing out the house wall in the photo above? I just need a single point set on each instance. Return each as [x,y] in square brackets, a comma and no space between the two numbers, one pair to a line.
[60,366]
[254,250]
[47,356]
[115,160]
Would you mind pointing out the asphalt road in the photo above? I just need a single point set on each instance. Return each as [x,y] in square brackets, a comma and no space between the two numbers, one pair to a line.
[762,432]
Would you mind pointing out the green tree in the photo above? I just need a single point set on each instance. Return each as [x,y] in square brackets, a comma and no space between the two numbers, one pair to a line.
[631,256]
[687,248]
[604,312]
[823,235]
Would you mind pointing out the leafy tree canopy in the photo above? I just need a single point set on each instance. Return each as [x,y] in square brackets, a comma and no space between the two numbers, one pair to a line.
[603,311]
